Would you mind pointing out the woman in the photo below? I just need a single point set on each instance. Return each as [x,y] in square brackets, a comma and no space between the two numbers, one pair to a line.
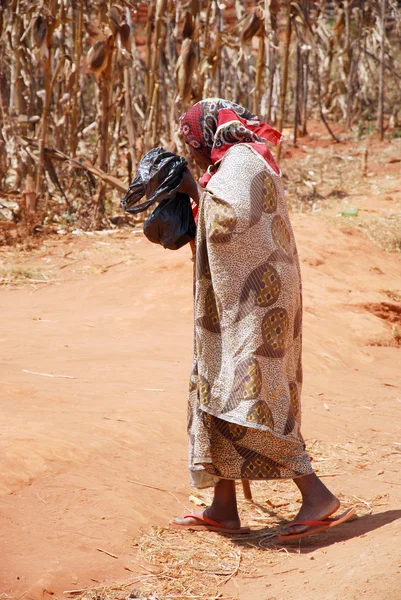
[245,388]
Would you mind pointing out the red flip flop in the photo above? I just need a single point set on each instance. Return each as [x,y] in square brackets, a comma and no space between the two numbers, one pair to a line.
[206,524]
[316,526]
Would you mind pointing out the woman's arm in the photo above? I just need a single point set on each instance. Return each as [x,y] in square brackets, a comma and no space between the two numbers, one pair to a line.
[190,186]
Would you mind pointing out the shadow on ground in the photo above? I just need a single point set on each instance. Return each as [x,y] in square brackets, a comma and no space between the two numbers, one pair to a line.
[359,527]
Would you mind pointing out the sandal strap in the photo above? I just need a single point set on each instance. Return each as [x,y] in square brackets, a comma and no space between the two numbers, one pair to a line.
[206,520]
[311,523]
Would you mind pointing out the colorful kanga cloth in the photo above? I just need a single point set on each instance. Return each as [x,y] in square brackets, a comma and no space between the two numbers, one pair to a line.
[212,126]
[244,410]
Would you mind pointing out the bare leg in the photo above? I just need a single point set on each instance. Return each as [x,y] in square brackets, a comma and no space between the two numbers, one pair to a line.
[318,502]
[223,508]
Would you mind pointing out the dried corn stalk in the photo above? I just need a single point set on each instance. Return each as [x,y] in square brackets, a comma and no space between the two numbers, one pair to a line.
[110,79]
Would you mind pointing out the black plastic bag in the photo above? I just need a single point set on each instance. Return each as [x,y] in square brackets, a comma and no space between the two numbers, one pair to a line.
[172,223]
[158,177]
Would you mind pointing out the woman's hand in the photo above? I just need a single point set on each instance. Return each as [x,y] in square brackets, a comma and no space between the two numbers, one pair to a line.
[190,187]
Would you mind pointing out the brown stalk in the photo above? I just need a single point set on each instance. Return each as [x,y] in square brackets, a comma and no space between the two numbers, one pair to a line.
[155,58]
[155,121]
[207,21]
[148,49]
[380,108]
[154,84]
[319,97]
[52,23]
[137,94]
[104,85]
[271,28]
[129,119]
[77,36]
[186,65]
[16,100]
[219,17]
[297,99]
[260,64]
[284,80]
[318,84]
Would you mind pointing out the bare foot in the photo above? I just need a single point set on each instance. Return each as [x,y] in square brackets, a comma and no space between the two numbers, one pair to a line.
[318,503]
[223,509]
[188,521]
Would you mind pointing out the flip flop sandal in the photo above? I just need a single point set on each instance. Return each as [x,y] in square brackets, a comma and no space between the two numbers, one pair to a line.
[206,524]
[316,526]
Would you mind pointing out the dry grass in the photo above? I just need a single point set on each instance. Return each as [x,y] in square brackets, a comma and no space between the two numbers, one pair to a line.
[392,294]
[18,275]
[396,331]
[330,179]
[185,565]
[385,231]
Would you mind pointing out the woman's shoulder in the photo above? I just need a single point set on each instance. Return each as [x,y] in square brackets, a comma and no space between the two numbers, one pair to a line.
[236,170]
[240,150]
[242,159]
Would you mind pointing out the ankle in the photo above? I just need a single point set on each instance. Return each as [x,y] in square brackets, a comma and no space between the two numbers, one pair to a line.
[312,489]
[225,508]
[221,515]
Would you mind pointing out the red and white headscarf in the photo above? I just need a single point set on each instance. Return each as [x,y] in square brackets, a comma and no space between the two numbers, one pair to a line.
[213,125]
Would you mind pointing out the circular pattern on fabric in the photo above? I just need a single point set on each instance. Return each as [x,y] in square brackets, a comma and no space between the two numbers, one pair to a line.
[260,414]
[274,331]
[212,469]
[248,379]
[259,468]
[203,391]
[294,399]
[247,383]
[202,262]
[262,288]
[269,287]
[231,431]
[211,320]
[279,256]
[281,235]
[269,194]
[211,306]
[221,221]
[263,195]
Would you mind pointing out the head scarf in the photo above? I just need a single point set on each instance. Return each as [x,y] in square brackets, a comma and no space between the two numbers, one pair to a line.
[213,125]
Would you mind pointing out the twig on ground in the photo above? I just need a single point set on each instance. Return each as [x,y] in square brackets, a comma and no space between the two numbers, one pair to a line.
[154,487]
[106,552]
[368,504]
[48,374]
[287,571]
[235,571]
[120,262]
[4,280]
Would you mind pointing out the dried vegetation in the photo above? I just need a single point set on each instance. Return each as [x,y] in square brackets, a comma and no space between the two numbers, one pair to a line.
[184,565]
[87,87]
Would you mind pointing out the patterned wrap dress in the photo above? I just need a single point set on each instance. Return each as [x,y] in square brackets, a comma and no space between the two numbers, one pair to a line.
[244,411]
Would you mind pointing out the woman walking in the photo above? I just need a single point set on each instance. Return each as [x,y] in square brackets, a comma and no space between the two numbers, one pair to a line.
[244,411]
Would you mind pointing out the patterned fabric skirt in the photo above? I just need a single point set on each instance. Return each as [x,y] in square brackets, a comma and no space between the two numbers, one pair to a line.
[244,398]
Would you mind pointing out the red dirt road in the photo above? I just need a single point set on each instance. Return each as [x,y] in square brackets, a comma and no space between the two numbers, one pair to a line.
[74,452]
